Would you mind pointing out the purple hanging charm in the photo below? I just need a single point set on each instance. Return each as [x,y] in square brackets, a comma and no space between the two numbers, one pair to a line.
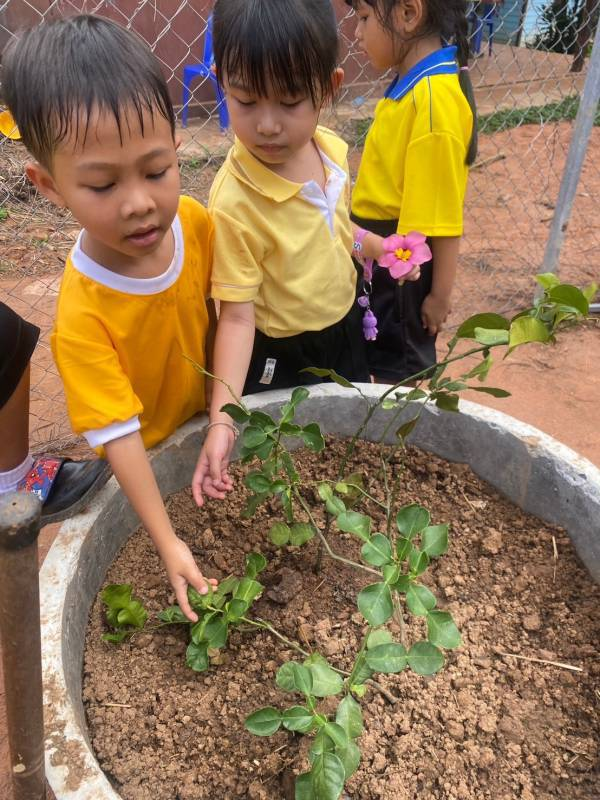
[370,326]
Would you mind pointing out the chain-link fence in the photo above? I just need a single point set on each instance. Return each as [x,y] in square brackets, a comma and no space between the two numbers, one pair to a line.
[528,68]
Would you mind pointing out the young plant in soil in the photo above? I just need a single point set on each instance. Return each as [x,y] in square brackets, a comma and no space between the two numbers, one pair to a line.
[395,558]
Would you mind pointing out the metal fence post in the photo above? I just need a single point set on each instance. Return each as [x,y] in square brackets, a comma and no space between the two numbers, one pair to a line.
[582,128]
[21,645]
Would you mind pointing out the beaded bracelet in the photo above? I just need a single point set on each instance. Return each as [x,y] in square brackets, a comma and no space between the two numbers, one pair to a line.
[231,427]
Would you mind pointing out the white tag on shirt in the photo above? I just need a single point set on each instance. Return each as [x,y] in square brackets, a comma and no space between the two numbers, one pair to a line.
[269,371]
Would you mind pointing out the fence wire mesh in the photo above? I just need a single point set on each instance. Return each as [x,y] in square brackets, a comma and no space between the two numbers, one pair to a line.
[528,66]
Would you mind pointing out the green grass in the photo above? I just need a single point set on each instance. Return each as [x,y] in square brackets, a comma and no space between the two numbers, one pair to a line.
[502,120]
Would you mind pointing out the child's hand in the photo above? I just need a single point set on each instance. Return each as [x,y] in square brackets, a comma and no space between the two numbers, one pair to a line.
[182,569]
[211,476]
[434,313]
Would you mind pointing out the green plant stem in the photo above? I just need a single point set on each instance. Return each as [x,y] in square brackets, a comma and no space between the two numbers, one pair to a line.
[363,647]
[208,374]
[363,492]
[326,544]
[261,623]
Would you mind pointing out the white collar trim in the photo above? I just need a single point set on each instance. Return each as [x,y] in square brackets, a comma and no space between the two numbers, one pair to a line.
[122,283]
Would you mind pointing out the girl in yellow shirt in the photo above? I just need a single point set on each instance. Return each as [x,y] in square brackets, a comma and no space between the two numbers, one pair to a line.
[413,173]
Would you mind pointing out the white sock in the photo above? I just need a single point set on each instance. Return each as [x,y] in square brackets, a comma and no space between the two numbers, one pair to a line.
[10,479]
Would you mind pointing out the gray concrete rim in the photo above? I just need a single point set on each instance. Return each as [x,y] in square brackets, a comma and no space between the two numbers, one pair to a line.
[536,472]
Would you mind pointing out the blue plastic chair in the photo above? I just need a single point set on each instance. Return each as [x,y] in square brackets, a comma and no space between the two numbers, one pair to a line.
[204,70]
[488,17]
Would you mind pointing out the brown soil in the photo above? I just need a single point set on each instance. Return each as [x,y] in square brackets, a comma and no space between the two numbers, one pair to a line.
[488,727]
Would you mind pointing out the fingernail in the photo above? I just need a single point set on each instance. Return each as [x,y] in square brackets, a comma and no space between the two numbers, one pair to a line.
[204,590]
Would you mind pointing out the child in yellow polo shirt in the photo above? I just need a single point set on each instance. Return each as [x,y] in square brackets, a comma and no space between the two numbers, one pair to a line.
[413,172]
[93,109]
[283,270]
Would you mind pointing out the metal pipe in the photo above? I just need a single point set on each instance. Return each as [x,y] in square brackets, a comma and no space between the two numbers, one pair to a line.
[582,128]
[21,645]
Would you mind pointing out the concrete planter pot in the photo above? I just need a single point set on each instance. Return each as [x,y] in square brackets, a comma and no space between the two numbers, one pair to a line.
[536,472]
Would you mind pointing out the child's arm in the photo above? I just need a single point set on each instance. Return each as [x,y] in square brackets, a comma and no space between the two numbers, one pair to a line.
[130,464]
[436,306]
[372,247]
[232,353]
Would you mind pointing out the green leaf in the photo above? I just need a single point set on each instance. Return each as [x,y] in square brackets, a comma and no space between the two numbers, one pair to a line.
[335,506]
[262,420]
[196,656]
[480,371]
[359,689]
[375,603]
[235,609]
[419,600]
[247,589]
[288,465]
[362,672]
[391,573]
[255,563]
[299,395]
[298,718]
[252,504]
[389,403]
[434,540]
[415,394]
[321,743]
[172,615]
[229,584]
[406,428]
[589,292]
[425,659]
[328,777]
[491,337]
[280,534]
[264,722]
[377,550]
[312,437]
[134,614]
[418,561]
[490,390]
[324,491]
[489,321]
[403,583]
[336,733]
[412,519]
[547,279]
[236,412]
[300,533]
[349,717]
[442,630]
[380,636]
[216,631]
[325,681]
[304,787]
[329,373]
[117,637]
[289,429]
[403,547]
[350,758]
[257,482]
[253,437]
[387,658]
[447,402]
[278,486]
[197,630]
[527,329]
[199,601]
[294,677]
[353,522]
[568,295]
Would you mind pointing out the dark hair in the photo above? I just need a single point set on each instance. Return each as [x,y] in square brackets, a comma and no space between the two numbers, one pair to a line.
[290,44]
[448,19]
[57,70]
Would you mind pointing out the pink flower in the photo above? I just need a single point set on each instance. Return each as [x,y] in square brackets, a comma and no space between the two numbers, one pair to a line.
[402,253]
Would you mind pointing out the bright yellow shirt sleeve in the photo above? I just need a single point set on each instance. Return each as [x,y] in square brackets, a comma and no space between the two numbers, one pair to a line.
[237,274]
[97,389]
[434,186]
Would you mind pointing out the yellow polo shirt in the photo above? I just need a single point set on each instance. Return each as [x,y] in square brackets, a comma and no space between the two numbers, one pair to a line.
[119,342]
[413,164]
[286,246]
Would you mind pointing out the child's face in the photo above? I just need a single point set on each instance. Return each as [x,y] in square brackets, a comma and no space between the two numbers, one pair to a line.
[123,190]
[374,39]
[274,128]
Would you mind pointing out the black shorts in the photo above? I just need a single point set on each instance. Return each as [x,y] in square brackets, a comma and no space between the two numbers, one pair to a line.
[403,347]
[276,363]
[18,339]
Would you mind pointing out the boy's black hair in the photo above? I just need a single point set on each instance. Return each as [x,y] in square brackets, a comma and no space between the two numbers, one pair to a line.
[56,74]
[290,44]
[448,19]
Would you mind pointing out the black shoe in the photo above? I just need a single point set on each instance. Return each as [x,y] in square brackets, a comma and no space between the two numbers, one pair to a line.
[75,484]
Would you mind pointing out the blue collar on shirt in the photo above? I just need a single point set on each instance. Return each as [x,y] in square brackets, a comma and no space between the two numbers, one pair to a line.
[441,62]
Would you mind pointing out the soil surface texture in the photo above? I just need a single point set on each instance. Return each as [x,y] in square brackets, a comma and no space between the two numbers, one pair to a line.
[489,726]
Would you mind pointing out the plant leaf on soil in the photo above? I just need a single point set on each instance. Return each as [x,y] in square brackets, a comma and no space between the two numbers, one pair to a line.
[434,540]
[353,522]
[375,603]
[419,599]
[387,658]
[328,776]
[264,722]
[325,681]
[377,550]
[425,659]
[442,630]
[349,717]
[298,718]
[412,519]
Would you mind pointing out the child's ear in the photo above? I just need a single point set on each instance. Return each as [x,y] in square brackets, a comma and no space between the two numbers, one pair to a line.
[44,183]
[337,79]
[411,14]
